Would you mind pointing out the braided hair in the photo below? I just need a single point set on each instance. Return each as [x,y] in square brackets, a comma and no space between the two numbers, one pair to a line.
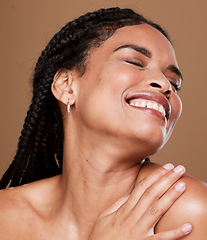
[40,149]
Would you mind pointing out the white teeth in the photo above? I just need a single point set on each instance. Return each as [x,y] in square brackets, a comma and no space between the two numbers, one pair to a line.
[149,104]
[162,110]
[155,106]
[136,104]
[142,104]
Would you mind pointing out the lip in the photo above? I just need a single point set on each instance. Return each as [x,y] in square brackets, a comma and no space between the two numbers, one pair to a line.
[153,97]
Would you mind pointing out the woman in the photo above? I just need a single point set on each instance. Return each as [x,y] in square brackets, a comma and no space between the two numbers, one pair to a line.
[104,99]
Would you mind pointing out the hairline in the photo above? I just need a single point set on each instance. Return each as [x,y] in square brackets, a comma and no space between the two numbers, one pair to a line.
[82,67]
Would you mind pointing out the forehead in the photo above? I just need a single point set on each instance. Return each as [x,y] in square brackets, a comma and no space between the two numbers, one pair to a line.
[143,35]
[143,31]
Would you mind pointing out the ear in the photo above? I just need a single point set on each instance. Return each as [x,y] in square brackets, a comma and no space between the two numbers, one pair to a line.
[62,86]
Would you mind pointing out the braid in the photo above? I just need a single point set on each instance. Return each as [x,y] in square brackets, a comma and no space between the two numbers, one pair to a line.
[40,148]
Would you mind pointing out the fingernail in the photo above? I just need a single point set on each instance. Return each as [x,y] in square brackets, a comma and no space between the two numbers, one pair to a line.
[179,169]
[180,186]
[168,166]
[186,228]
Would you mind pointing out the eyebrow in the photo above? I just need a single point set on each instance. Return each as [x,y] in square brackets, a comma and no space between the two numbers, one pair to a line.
[148,54]
[175,70]
[137,48]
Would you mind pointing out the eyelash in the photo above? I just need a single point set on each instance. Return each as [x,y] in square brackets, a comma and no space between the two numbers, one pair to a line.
[135,63]
[175,86]
[142,66]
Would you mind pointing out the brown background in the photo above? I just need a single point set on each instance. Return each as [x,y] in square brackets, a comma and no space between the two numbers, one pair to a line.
[26,27]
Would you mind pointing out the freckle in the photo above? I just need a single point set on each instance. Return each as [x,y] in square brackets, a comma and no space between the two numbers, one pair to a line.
[86,160]
[85,181]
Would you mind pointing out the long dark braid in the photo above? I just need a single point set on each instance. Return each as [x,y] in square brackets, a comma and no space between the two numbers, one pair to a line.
[40,148]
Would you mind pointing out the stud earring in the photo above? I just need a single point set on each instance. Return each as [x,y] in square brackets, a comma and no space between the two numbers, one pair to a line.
[68,107]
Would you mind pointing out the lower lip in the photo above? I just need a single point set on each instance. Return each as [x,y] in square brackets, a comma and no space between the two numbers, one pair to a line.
[151,111]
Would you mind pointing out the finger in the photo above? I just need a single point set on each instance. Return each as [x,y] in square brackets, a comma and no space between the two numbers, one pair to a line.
[153,177]
[141,186]
[159,208]
[174,234]
[114,207]
[156,190]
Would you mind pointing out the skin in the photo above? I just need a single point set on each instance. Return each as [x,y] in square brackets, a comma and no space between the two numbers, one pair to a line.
[105,141]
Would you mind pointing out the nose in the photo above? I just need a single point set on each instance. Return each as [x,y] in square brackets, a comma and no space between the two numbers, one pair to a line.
[161,84]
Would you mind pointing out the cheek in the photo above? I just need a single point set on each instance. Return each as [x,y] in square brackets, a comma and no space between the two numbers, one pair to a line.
[176,109]
[122,76]
[100,97]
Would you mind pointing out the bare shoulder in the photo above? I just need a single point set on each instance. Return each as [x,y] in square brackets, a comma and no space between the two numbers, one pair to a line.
[14,208]
[20,209]
[191,207]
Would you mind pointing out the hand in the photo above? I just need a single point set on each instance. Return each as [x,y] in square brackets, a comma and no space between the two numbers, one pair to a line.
[134,217]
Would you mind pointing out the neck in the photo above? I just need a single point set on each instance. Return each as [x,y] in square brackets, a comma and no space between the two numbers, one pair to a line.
[95,176]
[91,184]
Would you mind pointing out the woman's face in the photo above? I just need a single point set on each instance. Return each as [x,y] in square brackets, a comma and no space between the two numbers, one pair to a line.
[128,92]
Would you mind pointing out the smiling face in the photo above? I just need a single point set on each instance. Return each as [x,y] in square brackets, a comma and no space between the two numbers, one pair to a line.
[128,92]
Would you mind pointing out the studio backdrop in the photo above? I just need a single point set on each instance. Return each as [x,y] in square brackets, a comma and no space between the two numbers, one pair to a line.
[27,26]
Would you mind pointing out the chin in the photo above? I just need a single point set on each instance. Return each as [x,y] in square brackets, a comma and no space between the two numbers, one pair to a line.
[151,139]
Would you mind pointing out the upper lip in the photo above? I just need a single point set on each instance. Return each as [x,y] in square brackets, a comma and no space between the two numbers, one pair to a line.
[153,97]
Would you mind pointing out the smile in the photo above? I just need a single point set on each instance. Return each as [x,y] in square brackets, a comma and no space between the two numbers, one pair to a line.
[155,103]
[148,104]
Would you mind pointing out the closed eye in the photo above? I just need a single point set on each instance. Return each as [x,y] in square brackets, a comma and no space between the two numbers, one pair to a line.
[176,86]
[135,63]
